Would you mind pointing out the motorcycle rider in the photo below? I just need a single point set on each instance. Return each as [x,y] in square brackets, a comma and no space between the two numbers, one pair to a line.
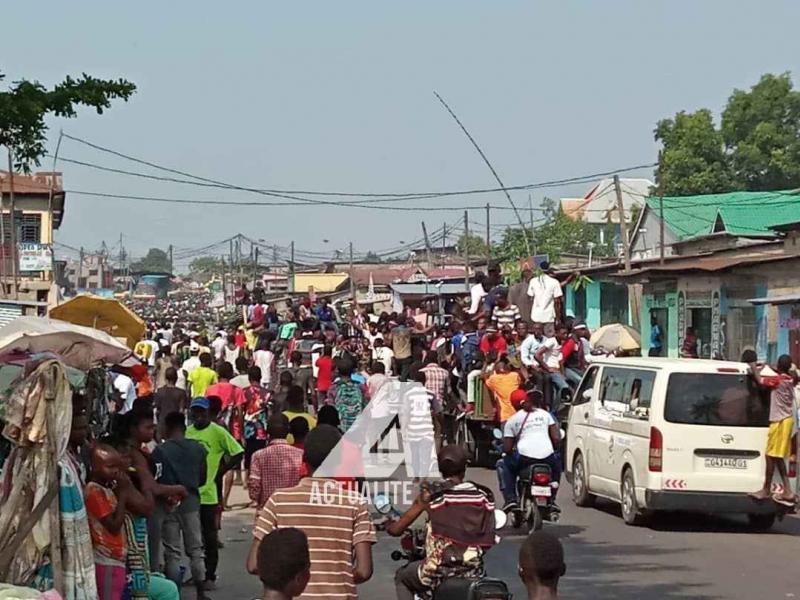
[530,436]
[460,529]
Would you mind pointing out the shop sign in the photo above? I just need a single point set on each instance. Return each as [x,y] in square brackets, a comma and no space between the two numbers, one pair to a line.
[716,325]
[35,257]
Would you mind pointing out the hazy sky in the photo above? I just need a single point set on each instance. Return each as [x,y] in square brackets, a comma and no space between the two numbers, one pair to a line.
[338,95]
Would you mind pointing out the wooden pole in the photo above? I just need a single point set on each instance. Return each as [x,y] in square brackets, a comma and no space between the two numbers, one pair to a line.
[661,228]
[255,266]
[444,243]
[623,225]
[14,265]
[466,251]
[352,280]
[488,238]
[224,285]
[429,265]
[291,270]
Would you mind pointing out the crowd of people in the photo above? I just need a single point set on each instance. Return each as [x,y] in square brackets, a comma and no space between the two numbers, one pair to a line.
[262,402]
[267,398]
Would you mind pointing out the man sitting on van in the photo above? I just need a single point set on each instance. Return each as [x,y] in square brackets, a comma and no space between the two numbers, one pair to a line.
[781,423]
[530,436]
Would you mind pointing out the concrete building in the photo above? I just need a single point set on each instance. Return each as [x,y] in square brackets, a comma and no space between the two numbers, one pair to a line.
[38,211]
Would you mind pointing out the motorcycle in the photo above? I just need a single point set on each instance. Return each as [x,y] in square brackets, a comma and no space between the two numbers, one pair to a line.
[535,490]
[412,544]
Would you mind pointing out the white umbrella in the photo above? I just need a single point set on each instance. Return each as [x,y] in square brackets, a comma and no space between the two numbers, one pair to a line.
[79,347]
[616,337]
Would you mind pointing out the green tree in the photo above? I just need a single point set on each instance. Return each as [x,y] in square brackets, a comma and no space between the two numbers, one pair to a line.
[25,104]
[155,260]
[761,130]
[692,159]
[474,243]
[557,235]
[205,267]
[371,257]
[756,147]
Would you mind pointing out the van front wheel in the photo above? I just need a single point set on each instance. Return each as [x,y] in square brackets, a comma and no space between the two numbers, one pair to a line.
[580,483]
[761,522]
[631,513]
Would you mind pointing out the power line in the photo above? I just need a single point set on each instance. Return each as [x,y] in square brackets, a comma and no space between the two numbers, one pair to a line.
[372,195]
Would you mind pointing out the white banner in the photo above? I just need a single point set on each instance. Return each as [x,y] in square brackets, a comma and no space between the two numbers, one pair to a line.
[35,257]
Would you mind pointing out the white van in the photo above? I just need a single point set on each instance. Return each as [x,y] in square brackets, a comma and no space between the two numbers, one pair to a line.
[670,434]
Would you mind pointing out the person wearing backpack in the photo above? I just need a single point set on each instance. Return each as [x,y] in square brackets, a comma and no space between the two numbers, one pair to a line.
[346,395]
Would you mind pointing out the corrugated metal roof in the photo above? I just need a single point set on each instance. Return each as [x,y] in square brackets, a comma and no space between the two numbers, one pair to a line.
[783,299]
[738,213]
[712,262]
[447,289]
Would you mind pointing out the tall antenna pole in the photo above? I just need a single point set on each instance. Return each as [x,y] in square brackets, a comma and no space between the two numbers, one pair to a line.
[491,168]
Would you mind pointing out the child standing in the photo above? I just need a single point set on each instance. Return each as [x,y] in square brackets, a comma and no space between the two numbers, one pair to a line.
[106,511]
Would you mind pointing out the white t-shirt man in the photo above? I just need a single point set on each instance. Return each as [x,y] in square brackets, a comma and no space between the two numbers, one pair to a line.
[218,346]
[476,294]
[385,355]
[127,389]
[544,290]
[263,359]
[552,358]
[532,430]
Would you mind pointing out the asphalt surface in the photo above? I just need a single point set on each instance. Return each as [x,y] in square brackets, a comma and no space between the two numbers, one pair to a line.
[677,556]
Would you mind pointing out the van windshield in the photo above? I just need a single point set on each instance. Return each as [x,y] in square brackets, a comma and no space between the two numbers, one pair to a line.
[732,400]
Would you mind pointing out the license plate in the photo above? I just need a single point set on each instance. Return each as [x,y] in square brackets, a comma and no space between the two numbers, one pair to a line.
[725,463]
[541,490]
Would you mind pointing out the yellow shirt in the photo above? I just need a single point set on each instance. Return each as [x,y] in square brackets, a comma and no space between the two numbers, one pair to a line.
[201,378]
[502,385]
[312,422]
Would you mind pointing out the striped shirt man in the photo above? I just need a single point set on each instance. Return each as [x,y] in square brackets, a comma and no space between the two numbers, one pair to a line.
[334,519]
[506,318]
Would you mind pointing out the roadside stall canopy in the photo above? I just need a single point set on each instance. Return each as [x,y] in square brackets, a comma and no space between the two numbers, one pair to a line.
[77,346]
[105,314]
[616,337]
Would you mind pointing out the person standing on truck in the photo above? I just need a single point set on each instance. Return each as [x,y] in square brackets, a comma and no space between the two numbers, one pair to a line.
[781,423]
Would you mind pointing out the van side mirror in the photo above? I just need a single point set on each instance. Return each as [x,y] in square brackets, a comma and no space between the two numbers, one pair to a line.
[587,395]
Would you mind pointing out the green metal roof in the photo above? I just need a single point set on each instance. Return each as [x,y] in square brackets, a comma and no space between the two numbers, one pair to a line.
[737,213]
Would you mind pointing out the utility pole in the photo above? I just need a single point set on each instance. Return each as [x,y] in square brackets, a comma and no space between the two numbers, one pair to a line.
[291,269]
[352,281]
[661,228]
[171,266]
[80,268]
[14,265]
[224,284]
[255,265]
[530,212]
[427,246]
[466,251]
[3,238]
[488,239]
[444,243]
[623,225]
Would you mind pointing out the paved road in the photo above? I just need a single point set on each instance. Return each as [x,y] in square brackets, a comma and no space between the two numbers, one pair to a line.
[679,556]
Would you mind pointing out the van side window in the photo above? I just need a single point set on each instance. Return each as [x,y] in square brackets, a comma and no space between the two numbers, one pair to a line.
[626,390]
[587,384]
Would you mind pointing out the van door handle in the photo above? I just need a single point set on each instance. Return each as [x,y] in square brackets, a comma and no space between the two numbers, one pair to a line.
[586,415]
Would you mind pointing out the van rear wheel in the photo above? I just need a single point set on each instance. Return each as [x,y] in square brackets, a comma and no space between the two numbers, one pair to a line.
[580,483]
[632,514]
[761,522]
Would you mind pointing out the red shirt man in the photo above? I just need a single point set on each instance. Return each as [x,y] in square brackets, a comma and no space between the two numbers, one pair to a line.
[492,341]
